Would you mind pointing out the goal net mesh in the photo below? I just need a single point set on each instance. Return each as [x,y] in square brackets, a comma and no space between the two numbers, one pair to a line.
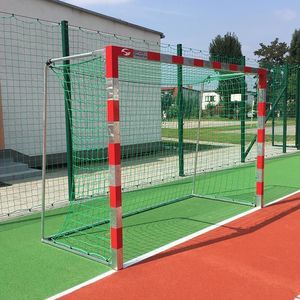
[184,132]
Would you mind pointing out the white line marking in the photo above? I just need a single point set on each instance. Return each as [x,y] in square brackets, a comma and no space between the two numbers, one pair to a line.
[166,247]
[282,198]
[79,286]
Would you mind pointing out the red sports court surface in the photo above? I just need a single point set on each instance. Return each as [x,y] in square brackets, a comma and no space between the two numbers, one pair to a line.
[255,257]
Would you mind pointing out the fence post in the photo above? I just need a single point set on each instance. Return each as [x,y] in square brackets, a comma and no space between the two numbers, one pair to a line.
[67,99]
[273,123]
[242,113]
[298,107]
[284,109]
[272,101]
[180,113]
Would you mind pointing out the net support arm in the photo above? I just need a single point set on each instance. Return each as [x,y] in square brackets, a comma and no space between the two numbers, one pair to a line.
[261,116]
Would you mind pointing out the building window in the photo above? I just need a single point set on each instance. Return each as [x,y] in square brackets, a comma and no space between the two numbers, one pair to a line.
[209,99]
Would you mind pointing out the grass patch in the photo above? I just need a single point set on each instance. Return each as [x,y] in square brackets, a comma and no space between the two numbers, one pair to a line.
[226,134]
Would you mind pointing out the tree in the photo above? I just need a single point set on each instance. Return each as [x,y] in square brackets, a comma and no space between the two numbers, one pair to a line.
[275,53]
[295,47]
[227,49]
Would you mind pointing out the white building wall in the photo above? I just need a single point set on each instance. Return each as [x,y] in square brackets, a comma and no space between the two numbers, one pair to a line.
[29,46]
[236,97]
[51,11]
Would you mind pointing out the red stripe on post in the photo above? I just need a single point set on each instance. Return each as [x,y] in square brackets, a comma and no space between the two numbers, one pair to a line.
[263,72]
[233,67]
[259,188]
[261,109]
[260,135]
[247,69]
[198,62]
[111,62]
[113,111]
[260,162]
[115,198]
[153,56]
[216,65]
[177,59]
[262,82]
[116,236]
[114,154]
[112,54]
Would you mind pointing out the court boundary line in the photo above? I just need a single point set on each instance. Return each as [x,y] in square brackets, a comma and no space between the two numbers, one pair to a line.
[81,285]
[282,198]
[166,247]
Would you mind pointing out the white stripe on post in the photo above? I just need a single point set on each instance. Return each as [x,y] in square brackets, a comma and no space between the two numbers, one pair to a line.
[114,156]
[261,115]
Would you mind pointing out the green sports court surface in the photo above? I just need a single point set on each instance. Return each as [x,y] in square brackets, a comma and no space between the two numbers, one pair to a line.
[33,270]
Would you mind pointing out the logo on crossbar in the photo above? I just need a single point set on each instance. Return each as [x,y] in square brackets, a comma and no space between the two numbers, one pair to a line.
[126,52]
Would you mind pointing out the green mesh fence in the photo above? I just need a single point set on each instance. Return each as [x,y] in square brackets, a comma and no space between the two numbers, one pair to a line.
[283,104]
[150,136]
[25,45]
[214,109]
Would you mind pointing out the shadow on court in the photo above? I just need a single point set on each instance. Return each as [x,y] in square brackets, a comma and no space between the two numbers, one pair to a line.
[241,227]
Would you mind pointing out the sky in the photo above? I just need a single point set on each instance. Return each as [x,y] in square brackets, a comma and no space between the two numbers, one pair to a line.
[195,23]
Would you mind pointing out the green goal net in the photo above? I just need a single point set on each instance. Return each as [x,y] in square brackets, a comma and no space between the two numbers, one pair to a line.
[184,132]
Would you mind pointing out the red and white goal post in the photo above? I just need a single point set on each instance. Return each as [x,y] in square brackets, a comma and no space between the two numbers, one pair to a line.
[112,55]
